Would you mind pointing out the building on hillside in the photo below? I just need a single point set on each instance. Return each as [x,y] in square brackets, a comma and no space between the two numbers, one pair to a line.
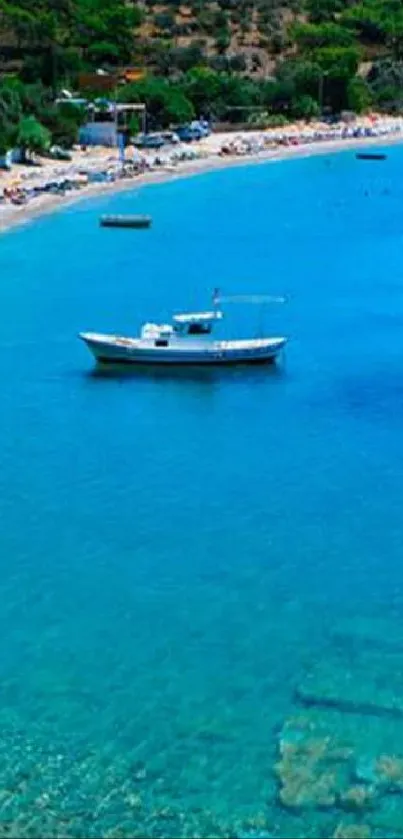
[110,123]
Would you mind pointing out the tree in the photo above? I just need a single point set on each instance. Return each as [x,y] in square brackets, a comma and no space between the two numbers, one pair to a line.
[10,101]
[385,81]
[184,58]
[239,92]
[64,123]
[309,36]
[221,20]
[103,52]
[10,114]
[359,97]
[367,20]
[304,107]
[337,62]
[21,21]
[390,98]
[178,108]
[32,136]
[166,103]
[223,40]
[105,20]
[134,125]
[394,33]
[203,87]
[238,64]
[303,74]
[7,134]
[320,11]
[385,73]
[165,20]
[206,22]
[41,65]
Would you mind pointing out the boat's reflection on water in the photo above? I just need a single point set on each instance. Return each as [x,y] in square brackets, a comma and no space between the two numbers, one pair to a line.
[198,374]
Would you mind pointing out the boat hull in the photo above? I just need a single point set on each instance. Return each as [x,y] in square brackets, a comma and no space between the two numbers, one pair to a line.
[224,362]
[224,353]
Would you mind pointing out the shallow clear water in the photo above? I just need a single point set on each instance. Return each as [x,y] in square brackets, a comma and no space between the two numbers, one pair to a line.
[178,551]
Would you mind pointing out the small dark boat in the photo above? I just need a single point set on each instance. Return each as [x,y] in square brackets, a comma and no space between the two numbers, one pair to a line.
[370,156]
[129,221]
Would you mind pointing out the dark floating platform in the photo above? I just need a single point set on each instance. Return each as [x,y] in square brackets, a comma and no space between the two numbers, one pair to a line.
[370,156]
[127,221]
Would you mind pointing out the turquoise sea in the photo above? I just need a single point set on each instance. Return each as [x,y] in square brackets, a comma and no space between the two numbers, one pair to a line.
[201,578]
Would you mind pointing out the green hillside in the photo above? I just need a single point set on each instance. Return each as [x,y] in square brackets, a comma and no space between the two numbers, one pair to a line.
[235,60]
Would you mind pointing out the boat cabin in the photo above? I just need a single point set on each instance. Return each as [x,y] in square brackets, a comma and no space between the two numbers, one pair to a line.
[195,324]
[159,334]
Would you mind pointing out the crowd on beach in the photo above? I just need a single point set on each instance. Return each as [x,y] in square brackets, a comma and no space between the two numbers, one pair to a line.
[313,133]
[87,167]
[100,166]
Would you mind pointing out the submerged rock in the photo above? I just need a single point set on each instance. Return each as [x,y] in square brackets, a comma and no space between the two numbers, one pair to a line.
[389,773]
[370,684]
[352,831]
[359,798]
[313,770]
[298,793]
[385,773]
[330,759]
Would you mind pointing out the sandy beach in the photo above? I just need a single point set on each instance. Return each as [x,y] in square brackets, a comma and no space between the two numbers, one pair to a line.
[241,149]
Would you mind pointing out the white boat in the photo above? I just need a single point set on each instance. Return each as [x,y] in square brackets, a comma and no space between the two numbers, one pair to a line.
[187,340]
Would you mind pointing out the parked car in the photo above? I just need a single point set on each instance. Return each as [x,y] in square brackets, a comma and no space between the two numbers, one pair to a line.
[170,137]
[57,153]
[149,141]
[188,134]
[201,126]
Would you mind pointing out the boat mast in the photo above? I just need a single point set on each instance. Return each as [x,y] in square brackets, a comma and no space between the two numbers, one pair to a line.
[216,299]
[261,320]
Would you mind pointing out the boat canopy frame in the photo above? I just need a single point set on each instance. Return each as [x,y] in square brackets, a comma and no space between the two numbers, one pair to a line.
[197,317]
